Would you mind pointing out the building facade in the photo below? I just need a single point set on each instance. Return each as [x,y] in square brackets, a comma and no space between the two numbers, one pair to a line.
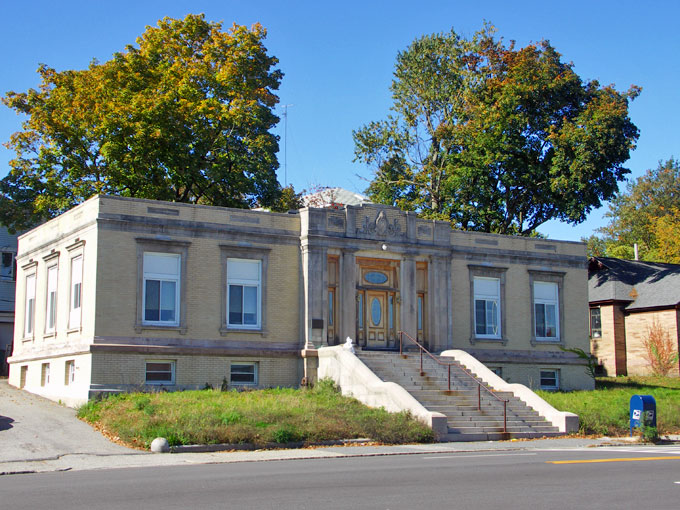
[629,298]
[8,252]
[121,294]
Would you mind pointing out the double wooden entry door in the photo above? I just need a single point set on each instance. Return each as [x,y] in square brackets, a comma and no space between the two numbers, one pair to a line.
[376,318]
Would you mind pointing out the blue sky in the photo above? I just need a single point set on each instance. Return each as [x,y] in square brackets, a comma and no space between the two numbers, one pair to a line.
[338,60]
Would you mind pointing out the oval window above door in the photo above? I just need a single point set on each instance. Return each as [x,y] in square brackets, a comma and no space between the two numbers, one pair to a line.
[376,311]
[375,277]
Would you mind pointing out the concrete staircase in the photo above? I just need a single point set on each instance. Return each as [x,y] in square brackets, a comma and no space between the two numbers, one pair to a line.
[465,421]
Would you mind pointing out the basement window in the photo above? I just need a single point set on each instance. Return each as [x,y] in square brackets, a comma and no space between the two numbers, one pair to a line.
[160,372]
[243,373]
[550,379]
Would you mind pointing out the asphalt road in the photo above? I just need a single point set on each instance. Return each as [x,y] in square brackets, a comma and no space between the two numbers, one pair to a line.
[611,478]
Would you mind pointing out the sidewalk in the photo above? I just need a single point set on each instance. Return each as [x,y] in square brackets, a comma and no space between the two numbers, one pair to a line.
[81,461]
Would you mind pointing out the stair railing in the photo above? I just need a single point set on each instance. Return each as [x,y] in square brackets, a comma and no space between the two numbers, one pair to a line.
[480,386]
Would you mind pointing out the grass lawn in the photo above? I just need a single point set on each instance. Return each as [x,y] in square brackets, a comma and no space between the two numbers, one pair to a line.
[279,415]
[605,411]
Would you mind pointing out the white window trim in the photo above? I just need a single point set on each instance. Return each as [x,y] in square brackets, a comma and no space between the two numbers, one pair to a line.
[244,363]
[260,253]
[556,303]
[590,321]
[69,372]
[496,297]
[29,294]
[235,281]
[75,315]
[557,379]
[173,366]
[547,277]
[488,272]
[177,280]
[50,330]
[150,245]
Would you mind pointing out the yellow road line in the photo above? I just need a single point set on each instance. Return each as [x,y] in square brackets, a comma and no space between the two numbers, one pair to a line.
[624,459]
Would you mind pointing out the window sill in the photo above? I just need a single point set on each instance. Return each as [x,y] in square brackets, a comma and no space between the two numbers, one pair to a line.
[51,334]
[71,331]
[540,341]
[490,340]
[153,327]
[28,339]
[226,331]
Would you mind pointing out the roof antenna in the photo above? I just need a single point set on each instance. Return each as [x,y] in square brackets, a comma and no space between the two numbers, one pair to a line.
[635,250]
[285,143]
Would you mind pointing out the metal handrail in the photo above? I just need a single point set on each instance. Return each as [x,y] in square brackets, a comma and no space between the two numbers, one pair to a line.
[422,349]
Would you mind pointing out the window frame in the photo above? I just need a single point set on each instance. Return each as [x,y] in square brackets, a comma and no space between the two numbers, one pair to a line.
[260,254]
[45,374]
[256,372]
[547,277]
[545,303]
[162,278]
[75,314]
[590,321]
[170,247]
[244,283]
[173,372]
[69,372]
[51,299]
[29,319]
[12,267]
[556,377]
[488,272]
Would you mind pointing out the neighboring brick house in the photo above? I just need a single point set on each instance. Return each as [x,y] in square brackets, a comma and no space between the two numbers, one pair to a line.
[119,294]
[8,252]
[626,297]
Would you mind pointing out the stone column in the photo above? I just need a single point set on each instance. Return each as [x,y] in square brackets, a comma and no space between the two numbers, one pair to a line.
[313,269]
[439,303]
[348,296]
[407,293]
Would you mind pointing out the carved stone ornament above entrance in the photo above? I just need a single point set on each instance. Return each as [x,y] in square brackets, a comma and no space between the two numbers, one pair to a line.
[381,227]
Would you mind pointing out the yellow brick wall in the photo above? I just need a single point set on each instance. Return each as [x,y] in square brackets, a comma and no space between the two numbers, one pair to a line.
[637,330]
[129,370]
[571,377]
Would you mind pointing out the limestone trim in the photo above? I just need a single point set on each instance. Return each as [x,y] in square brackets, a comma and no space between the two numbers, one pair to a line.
[77,243]
[556,277]
[487,272]
[260,253]
[181,248]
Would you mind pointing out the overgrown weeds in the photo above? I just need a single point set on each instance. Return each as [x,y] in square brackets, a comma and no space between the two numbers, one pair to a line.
[280,415]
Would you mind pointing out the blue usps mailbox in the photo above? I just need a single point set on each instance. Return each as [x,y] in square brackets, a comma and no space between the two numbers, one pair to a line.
[642,412]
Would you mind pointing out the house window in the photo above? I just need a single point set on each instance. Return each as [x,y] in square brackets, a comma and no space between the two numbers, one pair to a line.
[45,374]
[51,313]
[550,379]
[244,290]
[69,372]
[23,375]
[595,323]
[7,270]
[76,292]
[497,370]
[29,317]
[160,372]
[546,311]
[487,293]
[243,373]
[161,288]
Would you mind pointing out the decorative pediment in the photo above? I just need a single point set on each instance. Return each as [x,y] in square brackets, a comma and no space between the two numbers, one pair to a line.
[381,227]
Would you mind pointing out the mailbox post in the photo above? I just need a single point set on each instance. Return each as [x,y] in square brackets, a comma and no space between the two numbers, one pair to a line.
[642,412]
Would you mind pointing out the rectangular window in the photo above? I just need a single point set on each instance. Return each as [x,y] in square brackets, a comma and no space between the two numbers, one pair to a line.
[360,311]
[595,323]
[546,311]
[45,376]
[76,292]
[29,317]
[160,372]
[497,370]
[331,307]
[69,372]
[550,380]
[51,313]
[23,375]
[161,288]
[7,266]
[487,293]
[244,303]
[243,373]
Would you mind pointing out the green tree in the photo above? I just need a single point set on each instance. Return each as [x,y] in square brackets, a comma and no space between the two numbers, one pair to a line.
[494,138]
[646,214]
[185,115]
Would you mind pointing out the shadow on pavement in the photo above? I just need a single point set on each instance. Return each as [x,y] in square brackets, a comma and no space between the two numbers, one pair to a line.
[5,422]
